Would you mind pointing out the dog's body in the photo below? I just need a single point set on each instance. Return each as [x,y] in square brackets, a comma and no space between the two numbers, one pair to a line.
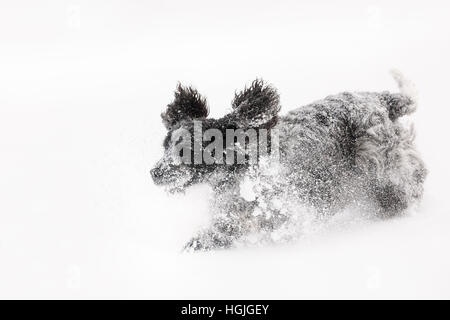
[345,150]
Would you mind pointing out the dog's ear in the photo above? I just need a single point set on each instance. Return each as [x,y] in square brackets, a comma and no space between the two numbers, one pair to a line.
[188,104]
[256,105]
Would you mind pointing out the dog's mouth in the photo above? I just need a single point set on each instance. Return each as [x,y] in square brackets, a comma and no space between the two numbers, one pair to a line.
[177,186]
[174,189]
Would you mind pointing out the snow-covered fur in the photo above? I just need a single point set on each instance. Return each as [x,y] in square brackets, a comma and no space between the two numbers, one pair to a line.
[347,150]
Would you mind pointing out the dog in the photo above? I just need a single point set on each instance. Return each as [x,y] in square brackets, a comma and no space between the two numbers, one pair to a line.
[347,150]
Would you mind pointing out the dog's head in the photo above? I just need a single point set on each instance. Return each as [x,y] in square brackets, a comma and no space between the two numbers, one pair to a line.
[197,146]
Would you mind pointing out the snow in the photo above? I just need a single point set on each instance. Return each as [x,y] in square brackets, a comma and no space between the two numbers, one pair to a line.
[81,90]
[246,189]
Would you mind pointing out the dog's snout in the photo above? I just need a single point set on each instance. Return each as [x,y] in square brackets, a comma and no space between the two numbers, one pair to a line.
[156,173]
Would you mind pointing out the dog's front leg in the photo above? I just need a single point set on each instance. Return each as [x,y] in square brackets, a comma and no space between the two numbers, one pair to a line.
[231,221]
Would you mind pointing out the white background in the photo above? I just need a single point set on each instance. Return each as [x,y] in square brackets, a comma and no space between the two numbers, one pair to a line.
[82,84]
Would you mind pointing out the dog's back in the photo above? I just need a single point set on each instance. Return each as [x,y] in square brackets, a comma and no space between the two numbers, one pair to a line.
[352,145]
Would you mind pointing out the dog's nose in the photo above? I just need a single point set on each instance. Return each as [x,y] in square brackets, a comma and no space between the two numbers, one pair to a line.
[156,173]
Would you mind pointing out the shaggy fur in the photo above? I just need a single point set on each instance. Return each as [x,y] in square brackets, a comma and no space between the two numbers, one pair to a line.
[349,149]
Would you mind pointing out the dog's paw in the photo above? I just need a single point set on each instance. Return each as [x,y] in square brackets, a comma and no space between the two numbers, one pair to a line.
[208,241]
[194,245]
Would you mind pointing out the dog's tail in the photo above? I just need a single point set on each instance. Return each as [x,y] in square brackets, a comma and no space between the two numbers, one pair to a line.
[405,102]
